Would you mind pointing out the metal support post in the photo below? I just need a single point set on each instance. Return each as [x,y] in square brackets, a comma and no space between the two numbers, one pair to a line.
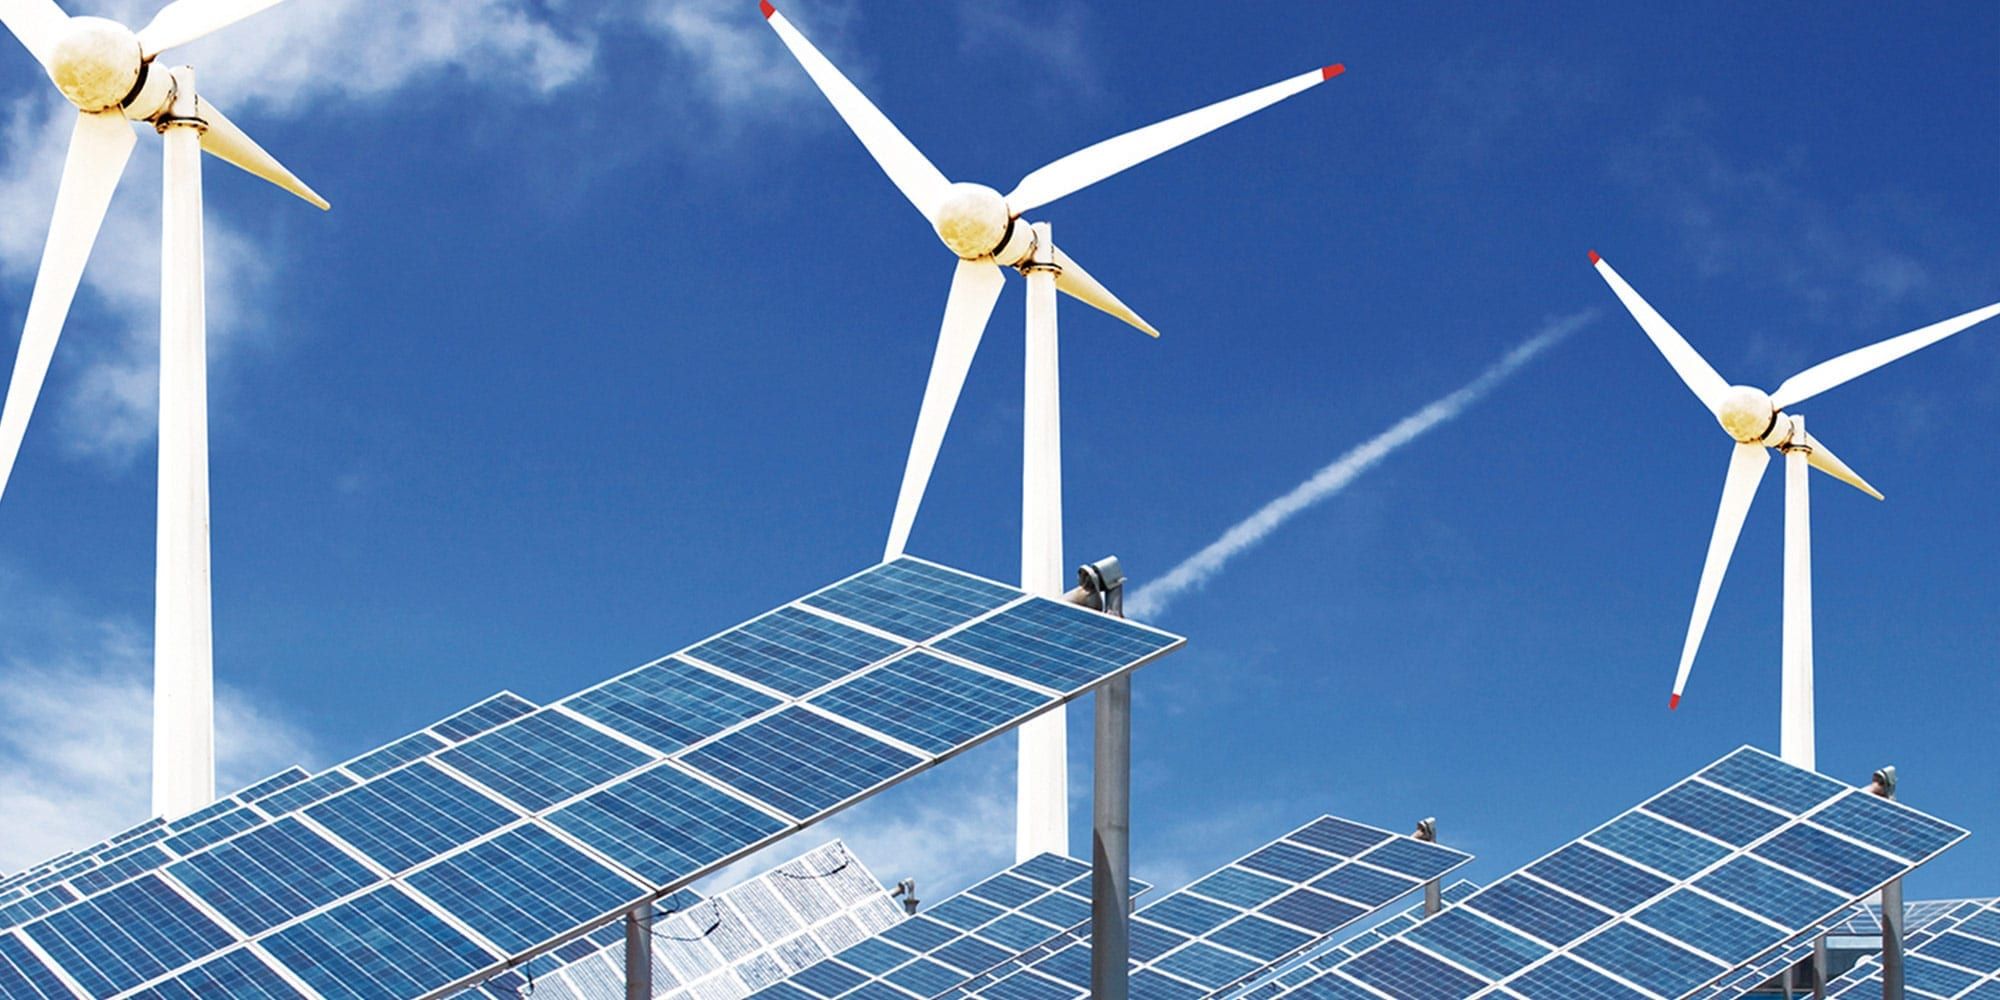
[1819,976]
[1884,785]
[1427,831]
[639,953]
[1111,833]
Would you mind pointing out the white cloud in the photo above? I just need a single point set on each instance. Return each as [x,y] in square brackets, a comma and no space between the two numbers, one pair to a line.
[76,729]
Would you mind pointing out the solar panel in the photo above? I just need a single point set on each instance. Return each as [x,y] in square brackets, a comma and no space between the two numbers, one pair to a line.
[954,940]
[1316,960]
[507,830]
[1245,918]
[1954,956]
[739,941]
[1664,900]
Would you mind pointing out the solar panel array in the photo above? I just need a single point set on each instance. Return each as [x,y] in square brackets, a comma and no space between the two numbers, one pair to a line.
[155,843]
[446,857]
[1242,919]
[1663,900]
[1318,960]
[726,947]
[1955,957]
[945,946]
[1863,921]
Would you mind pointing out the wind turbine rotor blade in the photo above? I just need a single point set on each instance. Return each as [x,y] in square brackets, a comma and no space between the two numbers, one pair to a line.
[184,21]
[1854,364]
[1091,164]
[98,151]
[906,166]
[1708,386]
[231,144]
[1077,283]
[37,23]
[975,287]
[1821,458]
[1746,470]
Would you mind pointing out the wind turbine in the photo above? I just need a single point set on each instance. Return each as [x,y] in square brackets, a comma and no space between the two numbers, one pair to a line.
[986,232]
[108,71]
[1757,420]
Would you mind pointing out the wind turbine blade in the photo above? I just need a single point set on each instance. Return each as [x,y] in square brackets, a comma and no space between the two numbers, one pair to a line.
[906,166]
[184,21]
[1854,364]
[1077,283]
[975,286]
[1823,459]
[231,144]
[98,151]
[1746,470]
[1688,364]
[37,23]
[1091,164]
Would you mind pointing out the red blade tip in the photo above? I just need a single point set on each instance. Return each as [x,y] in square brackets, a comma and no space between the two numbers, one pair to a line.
[1673,703]
[1329,72]
[1594,258]
[765,6]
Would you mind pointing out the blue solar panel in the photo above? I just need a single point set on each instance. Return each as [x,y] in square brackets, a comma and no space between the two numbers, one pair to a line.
[1598,917]
[1058,646]
[23,975]
[1956,955]
[122,938]
[670,704]
[395,755]
[221,827]
[48,900]
[278,782]
[271,875]
[305,793]
[665,824]
[237,975]
[410,816]
[794,651]
[800,762]
[381,944]
[929,702]
[539,760]
[913,599]
[523,888]
[492,713]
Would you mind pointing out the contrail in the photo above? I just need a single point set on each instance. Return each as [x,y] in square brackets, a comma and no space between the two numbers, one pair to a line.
[1154,597]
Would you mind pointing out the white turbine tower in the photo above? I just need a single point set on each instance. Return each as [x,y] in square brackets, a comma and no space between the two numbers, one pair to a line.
[985,230]
[1757,420]
[108,72]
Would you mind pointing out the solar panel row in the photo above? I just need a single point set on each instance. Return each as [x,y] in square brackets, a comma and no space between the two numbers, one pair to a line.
[1954,957]
[1663,900]
[1314,961]
[1246,917]
[508,842]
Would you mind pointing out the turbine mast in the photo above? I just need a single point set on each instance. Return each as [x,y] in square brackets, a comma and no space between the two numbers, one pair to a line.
[183,636]
[1042,781]
[1795,724]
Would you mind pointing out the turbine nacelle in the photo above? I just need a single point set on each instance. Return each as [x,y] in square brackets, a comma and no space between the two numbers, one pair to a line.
[1749,416]
[97,64]
[973,221]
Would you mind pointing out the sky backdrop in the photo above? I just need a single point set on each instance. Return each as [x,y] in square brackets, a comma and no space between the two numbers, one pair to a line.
[615,337]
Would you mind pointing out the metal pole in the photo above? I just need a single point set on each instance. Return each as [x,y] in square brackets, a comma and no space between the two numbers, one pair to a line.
[1427,832]
[1042,783]
[1111,833]
[639,953]
[183,636]
[1795,725]
[1884,785]
[1819,968]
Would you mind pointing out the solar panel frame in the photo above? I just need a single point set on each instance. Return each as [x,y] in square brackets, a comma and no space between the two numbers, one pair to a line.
[1955,956]
[1656,958]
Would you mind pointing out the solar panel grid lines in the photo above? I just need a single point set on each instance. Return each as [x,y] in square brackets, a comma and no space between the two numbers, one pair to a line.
[1319,958]
[1613,932]
[1249,916]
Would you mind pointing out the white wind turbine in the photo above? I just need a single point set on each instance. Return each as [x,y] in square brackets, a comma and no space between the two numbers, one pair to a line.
[1757,420]
[108,72]
[985,231]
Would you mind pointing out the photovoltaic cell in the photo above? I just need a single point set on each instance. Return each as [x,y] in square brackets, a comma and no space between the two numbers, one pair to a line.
[794,651]
[665,824]
[271,875]
[929,702]
[394,755]
[305,793]
[1956,956]
[23,975]
[381,944]
[670,704]
[523,887]
[1058,646]
[278,782]
[237,975]
[122,938]
[799,762]
[912,599]
[543,758]
[1751,865]
[410,816]
[492,713]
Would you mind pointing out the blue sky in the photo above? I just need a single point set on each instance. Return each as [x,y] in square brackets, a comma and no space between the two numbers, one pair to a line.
[615,337]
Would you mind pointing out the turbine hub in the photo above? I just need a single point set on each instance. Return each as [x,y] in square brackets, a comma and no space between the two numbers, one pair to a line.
[973,220]
[97,64]
[1747,413]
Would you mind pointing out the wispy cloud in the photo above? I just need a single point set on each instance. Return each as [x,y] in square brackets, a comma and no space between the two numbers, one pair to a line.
[1193,573]
[76,728]
[1052,40]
